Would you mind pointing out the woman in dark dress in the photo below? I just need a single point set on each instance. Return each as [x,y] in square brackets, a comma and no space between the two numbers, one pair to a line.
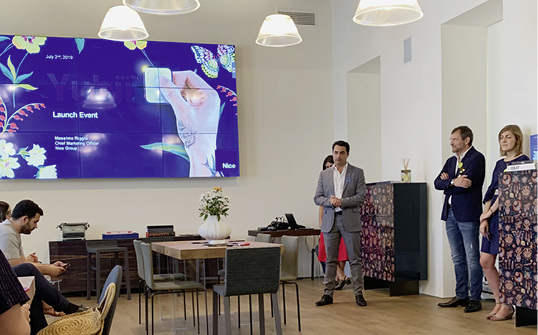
[510,143]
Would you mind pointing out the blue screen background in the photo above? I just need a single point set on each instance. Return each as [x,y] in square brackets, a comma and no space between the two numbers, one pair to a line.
[83,104]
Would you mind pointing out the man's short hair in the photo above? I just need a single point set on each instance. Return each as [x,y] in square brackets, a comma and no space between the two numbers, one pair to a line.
[341,144]
[464,133]
[26,208]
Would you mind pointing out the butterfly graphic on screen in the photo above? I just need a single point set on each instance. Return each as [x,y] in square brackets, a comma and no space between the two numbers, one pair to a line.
[210,64]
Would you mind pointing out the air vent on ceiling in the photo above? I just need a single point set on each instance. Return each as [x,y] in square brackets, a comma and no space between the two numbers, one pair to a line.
[303,19]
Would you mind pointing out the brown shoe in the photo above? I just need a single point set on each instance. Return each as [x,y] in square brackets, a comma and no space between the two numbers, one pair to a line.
[455,302]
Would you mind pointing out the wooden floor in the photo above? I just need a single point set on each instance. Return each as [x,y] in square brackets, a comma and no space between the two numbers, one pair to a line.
[417,314]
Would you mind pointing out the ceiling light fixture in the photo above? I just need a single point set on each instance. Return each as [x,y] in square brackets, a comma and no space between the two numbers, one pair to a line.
[121,23]
[384,13]
[163,7]
[278,30]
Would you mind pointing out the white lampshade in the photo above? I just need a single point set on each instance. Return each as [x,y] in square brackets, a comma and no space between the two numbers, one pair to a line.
[163,7]
[382,13]
[278,30]
[121,23]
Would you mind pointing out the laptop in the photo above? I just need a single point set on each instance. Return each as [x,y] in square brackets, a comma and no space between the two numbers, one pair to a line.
[293,224]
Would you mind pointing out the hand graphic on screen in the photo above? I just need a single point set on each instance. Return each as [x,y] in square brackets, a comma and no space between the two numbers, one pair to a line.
[196,107]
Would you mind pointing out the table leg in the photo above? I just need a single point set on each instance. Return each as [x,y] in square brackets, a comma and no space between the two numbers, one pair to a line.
[312,264]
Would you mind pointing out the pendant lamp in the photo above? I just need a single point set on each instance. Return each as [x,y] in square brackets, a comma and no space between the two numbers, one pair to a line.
[384,13]
[163,7]
[121,23]
[278,30]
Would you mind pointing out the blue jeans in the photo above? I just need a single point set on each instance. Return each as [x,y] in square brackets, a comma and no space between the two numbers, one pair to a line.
[465,253]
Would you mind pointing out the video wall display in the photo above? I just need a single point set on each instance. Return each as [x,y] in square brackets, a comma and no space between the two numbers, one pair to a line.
[93,108]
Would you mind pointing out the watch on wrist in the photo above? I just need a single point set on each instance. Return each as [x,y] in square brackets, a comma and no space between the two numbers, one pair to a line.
[452,182]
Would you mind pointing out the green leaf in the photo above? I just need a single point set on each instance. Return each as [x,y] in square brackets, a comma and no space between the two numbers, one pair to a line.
[24,151]
[175,149]
[26,87]
[11,67]
[22,77]
[80,44]
[6,72]
[221,109]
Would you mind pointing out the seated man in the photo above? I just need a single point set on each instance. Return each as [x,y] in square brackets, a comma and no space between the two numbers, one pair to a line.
[23,220]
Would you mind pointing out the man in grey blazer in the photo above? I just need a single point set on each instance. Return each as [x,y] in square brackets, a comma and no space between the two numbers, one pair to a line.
[341,190]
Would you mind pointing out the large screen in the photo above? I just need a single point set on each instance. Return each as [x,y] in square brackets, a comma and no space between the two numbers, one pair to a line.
[92,108]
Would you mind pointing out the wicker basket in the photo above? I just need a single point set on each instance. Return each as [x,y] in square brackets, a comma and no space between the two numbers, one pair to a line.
[89,322]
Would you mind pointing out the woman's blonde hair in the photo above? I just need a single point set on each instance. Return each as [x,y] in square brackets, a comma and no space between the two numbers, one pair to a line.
[514,129]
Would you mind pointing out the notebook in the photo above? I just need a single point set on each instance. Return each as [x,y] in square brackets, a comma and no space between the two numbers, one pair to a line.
[293,224]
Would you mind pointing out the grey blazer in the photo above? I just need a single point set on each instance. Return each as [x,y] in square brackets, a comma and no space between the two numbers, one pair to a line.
[352,197]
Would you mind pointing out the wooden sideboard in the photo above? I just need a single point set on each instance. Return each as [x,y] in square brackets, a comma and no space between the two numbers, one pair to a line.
[394,236]
[74,253]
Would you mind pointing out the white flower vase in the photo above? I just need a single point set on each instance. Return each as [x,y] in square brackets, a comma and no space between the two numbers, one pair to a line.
[214,231]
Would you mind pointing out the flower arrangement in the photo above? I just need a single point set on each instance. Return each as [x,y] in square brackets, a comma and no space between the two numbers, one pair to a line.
[214,202]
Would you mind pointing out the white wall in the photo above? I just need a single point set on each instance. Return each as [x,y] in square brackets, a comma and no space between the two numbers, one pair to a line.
[292,105]
[285,124]
[412,121]
[364,118]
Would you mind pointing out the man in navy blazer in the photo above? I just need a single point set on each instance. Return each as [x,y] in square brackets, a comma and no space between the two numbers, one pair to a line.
[461,180]
[341,190]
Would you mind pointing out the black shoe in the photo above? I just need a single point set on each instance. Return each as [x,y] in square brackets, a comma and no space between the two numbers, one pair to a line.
[72,308]
[360,300]
[455,302]
[325,300]
[339,285]
[82,308]
[474,306]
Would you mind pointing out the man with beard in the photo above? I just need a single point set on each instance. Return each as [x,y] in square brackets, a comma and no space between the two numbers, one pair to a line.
[23,220]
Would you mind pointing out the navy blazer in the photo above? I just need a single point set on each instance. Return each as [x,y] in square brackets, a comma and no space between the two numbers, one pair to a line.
[466,203]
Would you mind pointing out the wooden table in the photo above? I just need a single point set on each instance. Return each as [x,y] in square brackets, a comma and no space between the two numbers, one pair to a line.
[198,250]
[290,232]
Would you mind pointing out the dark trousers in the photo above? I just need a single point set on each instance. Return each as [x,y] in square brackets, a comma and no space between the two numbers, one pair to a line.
[44,291]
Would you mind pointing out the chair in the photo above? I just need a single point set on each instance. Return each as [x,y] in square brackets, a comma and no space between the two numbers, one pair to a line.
[99,248]
[246,273]
[113,277]
[165,287]
[95,320]
[289,271]
[263,238]
[156,277]
[259,238]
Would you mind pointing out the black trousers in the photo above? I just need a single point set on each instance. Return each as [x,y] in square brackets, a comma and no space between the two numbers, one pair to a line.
[44,291]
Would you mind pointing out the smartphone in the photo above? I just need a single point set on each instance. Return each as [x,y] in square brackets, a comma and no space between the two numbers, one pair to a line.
[66,265]
[151,83]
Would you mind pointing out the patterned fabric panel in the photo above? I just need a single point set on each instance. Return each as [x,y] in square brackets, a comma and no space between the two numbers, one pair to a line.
[377,238]
[518,233]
